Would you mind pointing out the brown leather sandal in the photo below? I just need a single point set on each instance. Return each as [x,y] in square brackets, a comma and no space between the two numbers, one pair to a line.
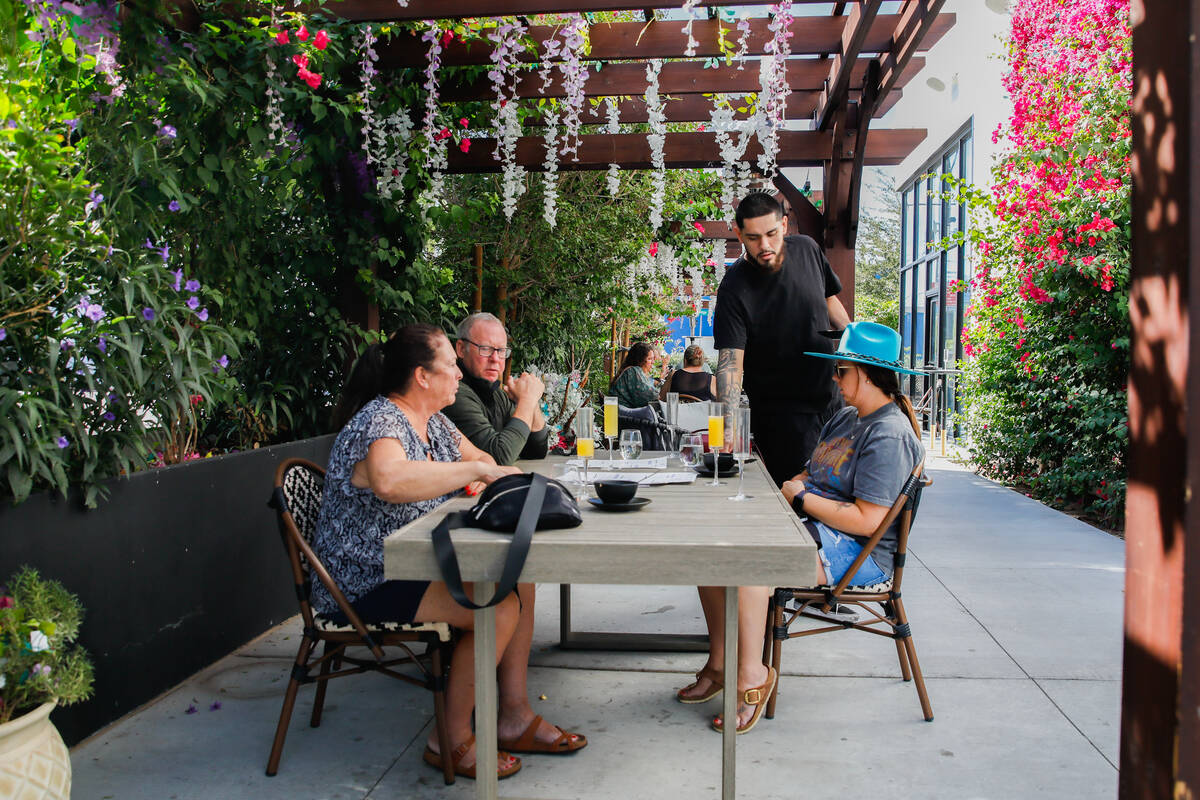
[435,760]
[715,677]
[528,742]
[757,697]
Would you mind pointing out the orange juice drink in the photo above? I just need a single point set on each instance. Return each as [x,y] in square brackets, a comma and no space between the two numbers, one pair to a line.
[585,448]
[716,433]
[610,419]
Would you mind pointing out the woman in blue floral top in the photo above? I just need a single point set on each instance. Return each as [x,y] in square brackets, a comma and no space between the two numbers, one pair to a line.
[398,458]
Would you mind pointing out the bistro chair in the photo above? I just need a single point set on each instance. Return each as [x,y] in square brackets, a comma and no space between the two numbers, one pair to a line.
[297,499]
[881,603]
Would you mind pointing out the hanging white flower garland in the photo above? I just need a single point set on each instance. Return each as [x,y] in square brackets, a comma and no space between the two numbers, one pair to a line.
[372,132]
[718,259]
[656,138]
[692,44]
[435,153]
[506,38]
[613,128]
[743,26]
[772,75]
[574,77]
[733,169]
[551,47]
[274,104]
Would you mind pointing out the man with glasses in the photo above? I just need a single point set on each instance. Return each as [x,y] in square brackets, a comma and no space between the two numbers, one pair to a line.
[503,420]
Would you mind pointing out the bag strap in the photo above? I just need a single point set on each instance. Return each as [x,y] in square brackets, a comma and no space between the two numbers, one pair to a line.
[514,562]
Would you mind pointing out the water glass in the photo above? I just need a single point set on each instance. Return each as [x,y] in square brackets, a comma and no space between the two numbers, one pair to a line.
[671,412]
[691,449]
[631,444]
[739,438]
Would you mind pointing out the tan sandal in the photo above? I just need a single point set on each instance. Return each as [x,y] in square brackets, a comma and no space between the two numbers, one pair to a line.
[717,684]
[435,760]
[528,742]
[757,697]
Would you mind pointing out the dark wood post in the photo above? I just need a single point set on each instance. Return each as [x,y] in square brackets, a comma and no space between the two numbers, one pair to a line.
[477,301]
[1160,703]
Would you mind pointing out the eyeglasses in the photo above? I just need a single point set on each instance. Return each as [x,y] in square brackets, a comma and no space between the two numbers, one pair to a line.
[486,350]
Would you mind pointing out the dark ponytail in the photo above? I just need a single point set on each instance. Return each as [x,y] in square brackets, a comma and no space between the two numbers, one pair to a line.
[386,367]
[889,383]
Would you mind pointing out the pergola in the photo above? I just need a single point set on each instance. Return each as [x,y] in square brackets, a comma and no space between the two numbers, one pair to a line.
[846,68]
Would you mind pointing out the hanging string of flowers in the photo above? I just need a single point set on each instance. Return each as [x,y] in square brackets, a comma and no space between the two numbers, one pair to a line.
[734,171]
[772,100]
[656,138]
[718,261]
[692,44]
[435,152]
[506,39]
[372,133]
[574,75]
[743,26]
[613,127]
[274,103]
[551,46]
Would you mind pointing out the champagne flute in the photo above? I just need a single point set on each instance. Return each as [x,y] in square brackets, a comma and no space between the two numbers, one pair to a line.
[672,413]
[585,442]
[716,437]
[631,444]
[740,439]
[610,423]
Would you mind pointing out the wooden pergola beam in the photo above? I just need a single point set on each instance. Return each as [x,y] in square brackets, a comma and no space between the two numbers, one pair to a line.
[628,41]
[686,151]
[846,67]
[919,20]
[677,77]
[383,10]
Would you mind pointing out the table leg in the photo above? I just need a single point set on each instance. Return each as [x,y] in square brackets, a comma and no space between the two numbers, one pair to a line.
[485,695]
[729,713]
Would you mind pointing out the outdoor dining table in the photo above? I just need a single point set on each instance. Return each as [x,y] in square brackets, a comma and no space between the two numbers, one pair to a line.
[688,535]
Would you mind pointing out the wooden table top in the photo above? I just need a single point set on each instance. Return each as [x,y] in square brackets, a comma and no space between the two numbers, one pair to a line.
[688,535]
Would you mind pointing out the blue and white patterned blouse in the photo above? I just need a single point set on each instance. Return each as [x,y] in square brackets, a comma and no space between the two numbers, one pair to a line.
[353,522]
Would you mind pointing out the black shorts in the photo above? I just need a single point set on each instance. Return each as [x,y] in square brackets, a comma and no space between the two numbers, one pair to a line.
[786,440]
[390,601]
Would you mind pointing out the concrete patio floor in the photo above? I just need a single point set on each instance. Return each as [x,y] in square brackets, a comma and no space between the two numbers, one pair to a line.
[1016,613]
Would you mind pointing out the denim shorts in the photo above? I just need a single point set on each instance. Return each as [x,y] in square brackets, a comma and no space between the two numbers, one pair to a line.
[838,552]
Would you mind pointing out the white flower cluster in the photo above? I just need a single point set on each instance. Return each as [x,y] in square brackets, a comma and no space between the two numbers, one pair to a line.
[656,138]
[735,173]
[506,38]
[772,76]
[692,44]
[613,128]
[274,104]
[563,395]
[695,270]
[718,259]
[372,133]
[574,76]
[743,26]
[396,133]
[435,153]
[550,175]
[668,266]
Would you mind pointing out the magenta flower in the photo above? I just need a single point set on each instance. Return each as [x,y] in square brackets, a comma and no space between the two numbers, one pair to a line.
[302,34]
[281,37]
[321,40]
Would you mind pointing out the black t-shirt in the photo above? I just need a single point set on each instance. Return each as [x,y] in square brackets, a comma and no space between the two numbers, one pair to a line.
[775,317]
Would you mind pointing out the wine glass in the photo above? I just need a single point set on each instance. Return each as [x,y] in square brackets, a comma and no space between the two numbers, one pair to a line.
[716,436]
[671,410]
[740,439]
[691,449]
[631,444]
[585,443]
[610,423]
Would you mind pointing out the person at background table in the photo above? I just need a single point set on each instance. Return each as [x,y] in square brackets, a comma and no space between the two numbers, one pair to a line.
[691,378]
[503,420]
[634,388]
[862,458]
[864,455]
[395,459]
[771,307]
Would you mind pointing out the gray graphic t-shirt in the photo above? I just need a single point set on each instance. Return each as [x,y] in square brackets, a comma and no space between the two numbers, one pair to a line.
[869,458]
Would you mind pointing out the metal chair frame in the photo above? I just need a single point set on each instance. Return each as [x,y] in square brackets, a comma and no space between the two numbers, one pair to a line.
[889,619]
[437,637]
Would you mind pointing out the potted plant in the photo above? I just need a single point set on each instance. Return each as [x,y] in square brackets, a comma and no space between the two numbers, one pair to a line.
[40,667]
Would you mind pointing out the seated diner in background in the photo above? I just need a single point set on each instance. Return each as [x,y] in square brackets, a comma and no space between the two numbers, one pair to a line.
[691,379]
[634,388]
[863,456]
[504,420]
[398,458]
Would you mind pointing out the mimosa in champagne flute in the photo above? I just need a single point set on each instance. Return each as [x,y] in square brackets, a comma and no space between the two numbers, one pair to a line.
[585,442]
[610,423]
[716,436]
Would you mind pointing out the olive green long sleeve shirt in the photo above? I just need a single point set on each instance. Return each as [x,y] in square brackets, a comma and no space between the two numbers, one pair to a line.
[483,411]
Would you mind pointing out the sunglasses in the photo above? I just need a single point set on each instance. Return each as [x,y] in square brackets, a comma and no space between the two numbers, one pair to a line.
[841,369]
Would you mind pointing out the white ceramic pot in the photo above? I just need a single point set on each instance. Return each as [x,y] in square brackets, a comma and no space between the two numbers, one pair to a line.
[34,762]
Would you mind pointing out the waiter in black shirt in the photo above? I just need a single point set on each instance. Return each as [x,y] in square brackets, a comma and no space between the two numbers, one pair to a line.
[771,307]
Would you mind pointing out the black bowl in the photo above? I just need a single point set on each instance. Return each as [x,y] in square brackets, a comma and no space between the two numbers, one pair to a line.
[726,461]
[616,491]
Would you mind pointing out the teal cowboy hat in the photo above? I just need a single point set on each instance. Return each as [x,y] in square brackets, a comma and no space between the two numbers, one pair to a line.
[869,343]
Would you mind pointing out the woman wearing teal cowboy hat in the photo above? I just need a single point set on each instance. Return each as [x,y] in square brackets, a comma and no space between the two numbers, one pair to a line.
[862,458]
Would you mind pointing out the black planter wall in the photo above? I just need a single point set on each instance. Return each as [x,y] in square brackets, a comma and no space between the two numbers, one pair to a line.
[179,567]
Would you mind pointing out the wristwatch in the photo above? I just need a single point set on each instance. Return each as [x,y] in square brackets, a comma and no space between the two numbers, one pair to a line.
[798,501]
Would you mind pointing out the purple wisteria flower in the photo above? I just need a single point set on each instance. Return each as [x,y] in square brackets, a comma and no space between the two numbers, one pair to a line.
[148,314]
[173,205]
[192,285]
[62,442]
[108,415]
[193,302]
[202,315]
[178,279]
